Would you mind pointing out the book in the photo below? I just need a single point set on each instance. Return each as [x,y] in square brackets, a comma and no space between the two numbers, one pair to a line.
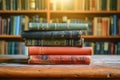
[35,50]
[54,42]
[59,59]
[0,4]
[32,4]
[57,26]
[53,34]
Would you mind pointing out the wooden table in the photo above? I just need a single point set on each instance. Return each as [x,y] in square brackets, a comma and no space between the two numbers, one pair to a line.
[106,67]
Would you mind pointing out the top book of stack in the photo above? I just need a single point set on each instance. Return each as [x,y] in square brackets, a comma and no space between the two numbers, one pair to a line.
[57,26]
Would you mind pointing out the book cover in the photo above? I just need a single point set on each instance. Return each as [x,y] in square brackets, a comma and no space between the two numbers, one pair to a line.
[35,50]
[54,42]
[53,34]
[59,59]
[57,26]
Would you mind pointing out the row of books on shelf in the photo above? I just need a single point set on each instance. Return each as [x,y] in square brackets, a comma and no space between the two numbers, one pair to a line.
[105,26]
[104,48]
[12,48]
[14,25]
[98,26]
[85,5]
[60,5]
[11,26]
[23,4]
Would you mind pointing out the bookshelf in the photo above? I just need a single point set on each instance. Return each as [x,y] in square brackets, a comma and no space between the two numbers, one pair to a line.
[47,10]
[51,10]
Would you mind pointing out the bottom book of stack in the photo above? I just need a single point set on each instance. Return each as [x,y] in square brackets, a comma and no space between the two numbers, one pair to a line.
[59,55]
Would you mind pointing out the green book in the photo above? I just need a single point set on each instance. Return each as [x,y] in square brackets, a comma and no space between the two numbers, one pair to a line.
[57,26]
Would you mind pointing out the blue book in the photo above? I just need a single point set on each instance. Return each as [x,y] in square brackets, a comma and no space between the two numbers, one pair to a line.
[23,48]
[13,48]
[8,48]
[17,32]
[97,48]
[115,25]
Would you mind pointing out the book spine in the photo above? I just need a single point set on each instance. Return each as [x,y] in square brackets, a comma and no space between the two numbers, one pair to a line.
[17,32]
[104,4]
[55,42]
[76,34]
[35,50]
[118,48]
[0,25]
[0,4]
[59,59]
[115,25]
[119,26]
[32,4]
[58,26]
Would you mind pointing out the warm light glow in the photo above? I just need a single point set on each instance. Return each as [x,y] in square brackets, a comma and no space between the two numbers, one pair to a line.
[64,1]
[61,4]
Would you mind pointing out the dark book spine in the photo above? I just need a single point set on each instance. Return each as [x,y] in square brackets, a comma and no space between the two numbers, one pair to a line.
[104,4]
[53,34]
[0,4]
[55,42]
[59,59]
[58,26]
[118,48]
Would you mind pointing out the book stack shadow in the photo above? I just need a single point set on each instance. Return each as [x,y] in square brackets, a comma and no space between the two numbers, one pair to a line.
[57,43]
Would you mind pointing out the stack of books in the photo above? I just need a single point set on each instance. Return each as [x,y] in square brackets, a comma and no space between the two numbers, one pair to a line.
[57,43]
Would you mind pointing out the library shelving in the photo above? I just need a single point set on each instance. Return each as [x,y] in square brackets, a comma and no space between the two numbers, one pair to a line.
[96,13]
[58,10]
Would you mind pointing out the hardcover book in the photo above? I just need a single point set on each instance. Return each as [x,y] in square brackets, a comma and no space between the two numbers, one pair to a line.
[58,26]
[59,59]
[75,34]
[35,50]
[55,42]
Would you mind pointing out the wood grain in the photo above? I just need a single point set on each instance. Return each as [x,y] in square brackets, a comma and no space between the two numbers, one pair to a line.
[58,71]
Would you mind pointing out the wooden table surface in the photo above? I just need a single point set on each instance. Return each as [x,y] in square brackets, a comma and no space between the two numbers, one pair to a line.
[107,67]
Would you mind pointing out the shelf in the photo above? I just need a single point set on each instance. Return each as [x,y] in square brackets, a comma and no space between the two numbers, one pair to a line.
[57,11]
[102,38]
[22,11]
[11,38]
[85,12]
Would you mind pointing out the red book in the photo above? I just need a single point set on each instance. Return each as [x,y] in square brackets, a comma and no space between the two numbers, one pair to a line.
[59,59]
[35,50]
[104,26]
